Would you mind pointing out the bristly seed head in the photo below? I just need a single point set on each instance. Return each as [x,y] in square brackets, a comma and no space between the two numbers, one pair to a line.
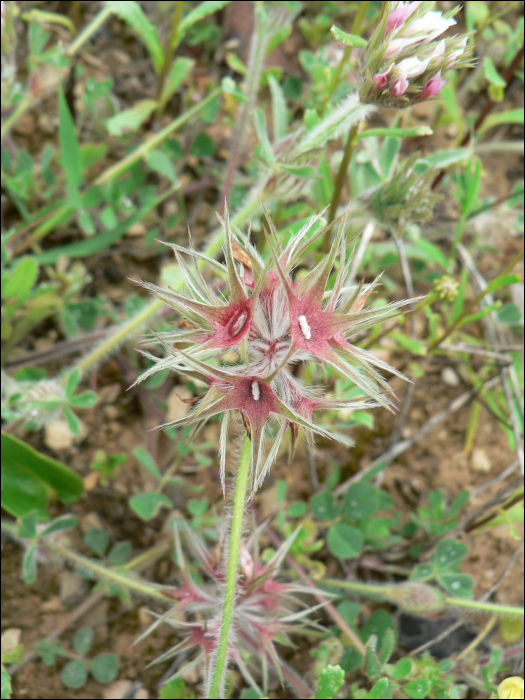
[305,328]
[274,322]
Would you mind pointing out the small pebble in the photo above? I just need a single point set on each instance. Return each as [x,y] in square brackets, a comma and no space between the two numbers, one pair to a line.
[11,638]
[480,461]
[449,377]
[58,436]
[118,689]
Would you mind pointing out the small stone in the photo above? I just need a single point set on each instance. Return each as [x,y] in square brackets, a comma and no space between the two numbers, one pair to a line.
[480,461]
[91,521]
[449,377]
[176,407]
[25,125]
[142,694]
[137,229]
[111,412]
[11,638]
[145,617]
[58,436]
[72,588]
[53,605]
[117,689]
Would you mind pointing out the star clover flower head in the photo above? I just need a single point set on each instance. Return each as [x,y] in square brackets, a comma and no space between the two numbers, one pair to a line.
[273,322]
[268,608]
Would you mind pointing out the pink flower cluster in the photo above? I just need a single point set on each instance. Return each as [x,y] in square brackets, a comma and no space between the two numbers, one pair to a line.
[266,613]
[265,323]
[411,64]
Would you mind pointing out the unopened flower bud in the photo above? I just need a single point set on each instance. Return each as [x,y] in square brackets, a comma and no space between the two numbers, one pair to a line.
[446,288]
[400,15]
[433,86]
[417,598]
[402,62]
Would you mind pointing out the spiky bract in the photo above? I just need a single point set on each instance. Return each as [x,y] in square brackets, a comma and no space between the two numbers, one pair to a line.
[271,322]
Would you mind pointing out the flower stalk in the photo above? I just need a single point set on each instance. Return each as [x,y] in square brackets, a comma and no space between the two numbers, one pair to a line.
[241,487]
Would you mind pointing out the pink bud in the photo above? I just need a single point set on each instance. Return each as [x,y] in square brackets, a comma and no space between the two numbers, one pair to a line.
[400,15]
[380,80]
[247,564]
[433,86]
[399,86]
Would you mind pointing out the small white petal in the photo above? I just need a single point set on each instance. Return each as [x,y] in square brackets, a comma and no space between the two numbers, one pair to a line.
[305,328]
[256,392]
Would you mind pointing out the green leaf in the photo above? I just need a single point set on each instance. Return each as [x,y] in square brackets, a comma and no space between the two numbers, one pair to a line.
[198,13]
[129,120]
[378,625]
[27,528]
[179,72]
[176,689]
[296,510]
[120,553]
[350,659]
[373,668]
[147,505]
[5,685]
[458,585]
[479,315]
[133,14]
[103,241]
[104,668]
[82,640]
[361,502]
[417,689]
[402,669]
[387,648]
[21,280]
[491,73]
[203,146]
[511,116]
[162,163]
[509,313]
[381,690]
[304,171]
[349,610]
[73,422]
[433,253]
[63,522]
[69,146]
[29,477]
[86,223]
[262,133]
[444,159]
[97,540]
[422,572]
[414,131]
[29,564]
[108,218]
[348,39]
[345,541]
[330,680]
[279,111]
[86,399]
[448,552]
[74,674]
[323,506]
[73,380]
[413,346]
[197,506]
[147,461]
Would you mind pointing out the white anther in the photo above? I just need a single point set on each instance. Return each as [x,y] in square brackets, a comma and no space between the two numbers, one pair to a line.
[256,392]
[305,328]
